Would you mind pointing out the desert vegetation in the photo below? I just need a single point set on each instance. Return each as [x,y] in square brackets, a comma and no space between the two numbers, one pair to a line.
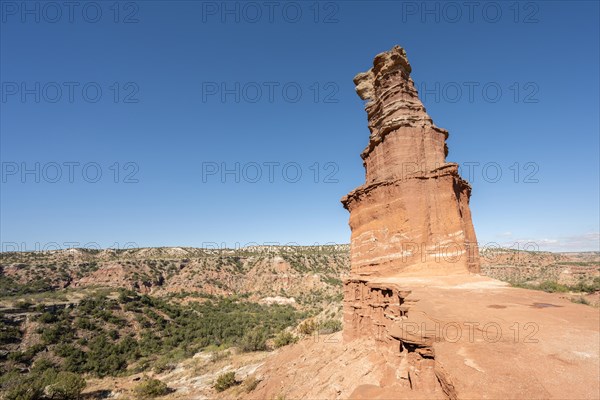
[122,332]
[67,318]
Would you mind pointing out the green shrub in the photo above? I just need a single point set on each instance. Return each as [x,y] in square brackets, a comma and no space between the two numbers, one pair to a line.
[150,387]
[254,340]
[308,327]
[163,365]
[42,364]
[592,287]
[24,304]
[85,324]
[57,333]
[219,355]
[330,326]
[75,358]
[580,300]
[552,287]
[26,356]
[47,318]
[250,384]
[225,381]
[67,385]
[9,333]
[16,386]
[284,338]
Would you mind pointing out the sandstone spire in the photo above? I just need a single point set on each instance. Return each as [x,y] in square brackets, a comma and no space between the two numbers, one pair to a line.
[412,215]
[410,219]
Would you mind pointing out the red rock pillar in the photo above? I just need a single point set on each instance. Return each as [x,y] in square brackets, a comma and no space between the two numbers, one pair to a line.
[412,215]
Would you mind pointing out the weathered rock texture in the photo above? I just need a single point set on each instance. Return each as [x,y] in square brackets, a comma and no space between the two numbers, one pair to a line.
[457,337]
[412,215]
[410,218]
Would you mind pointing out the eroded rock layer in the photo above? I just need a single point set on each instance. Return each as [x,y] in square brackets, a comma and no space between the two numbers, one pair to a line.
[412,215]
[410,218]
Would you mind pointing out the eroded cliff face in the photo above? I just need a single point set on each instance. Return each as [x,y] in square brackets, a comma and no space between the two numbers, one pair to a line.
[384,312]
[410,218]
[412,215]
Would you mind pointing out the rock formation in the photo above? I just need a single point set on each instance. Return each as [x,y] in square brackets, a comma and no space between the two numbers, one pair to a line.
[456,337]
[410,218]
[412,214]
[419,322]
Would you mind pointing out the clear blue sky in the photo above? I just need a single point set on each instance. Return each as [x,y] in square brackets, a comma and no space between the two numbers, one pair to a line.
[179,85]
